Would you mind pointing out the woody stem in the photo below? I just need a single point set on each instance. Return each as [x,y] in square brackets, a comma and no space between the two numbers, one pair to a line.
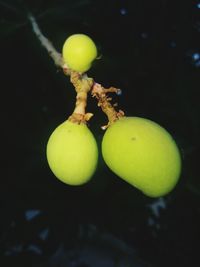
[82,85]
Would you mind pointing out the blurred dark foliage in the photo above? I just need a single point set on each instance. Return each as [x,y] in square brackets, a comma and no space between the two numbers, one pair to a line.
[151,50]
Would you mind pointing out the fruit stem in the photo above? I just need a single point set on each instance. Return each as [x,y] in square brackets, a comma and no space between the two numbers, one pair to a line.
[82,85]
[100,92]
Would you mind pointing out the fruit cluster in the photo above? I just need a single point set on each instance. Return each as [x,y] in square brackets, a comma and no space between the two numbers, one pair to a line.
[136,149]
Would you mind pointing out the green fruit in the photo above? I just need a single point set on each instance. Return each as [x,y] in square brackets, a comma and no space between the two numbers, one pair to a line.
[79,51]
[72,153]
[142,153]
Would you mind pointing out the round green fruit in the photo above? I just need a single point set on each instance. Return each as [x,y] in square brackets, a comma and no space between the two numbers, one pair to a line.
[142,153]
[79,51]
[72,153]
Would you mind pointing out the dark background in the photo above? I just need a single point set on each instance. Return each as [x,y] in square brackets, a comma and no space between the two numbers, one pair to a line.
[151,50]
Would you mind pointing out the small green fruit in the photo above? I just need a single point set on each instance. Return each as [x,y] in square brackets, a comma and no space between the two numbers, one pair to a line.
[72,153]
[79,51]
[142,153]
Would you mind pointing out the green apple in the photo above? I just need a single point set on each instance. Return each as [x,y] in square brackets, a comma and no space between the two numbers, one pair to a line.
[72,153]
[78,52]
[142,153]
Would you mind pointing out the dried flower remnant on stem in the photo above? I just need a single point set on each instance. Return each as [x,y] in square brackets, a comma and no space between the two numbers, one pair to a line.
[100,93]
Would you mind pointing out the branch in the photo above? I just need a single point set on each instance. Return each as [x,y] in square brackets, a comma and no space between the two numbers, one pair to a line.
[57,57]
[82,86]
[82,83]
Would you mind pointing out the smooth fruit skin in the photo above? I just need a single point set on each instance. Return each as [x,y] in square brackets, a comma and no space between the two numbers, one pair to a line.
[72,153]
[78,52]
[142,153]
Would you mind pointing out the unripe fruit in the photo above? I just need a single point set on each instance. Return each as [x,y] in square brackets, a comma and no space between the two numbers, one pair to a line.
[79,51]
[72,153]
[142,153]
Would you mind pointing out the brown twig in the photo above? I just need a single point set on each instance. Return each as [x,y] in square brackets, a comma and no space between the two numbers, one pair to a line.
[100,93]
[82,85]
